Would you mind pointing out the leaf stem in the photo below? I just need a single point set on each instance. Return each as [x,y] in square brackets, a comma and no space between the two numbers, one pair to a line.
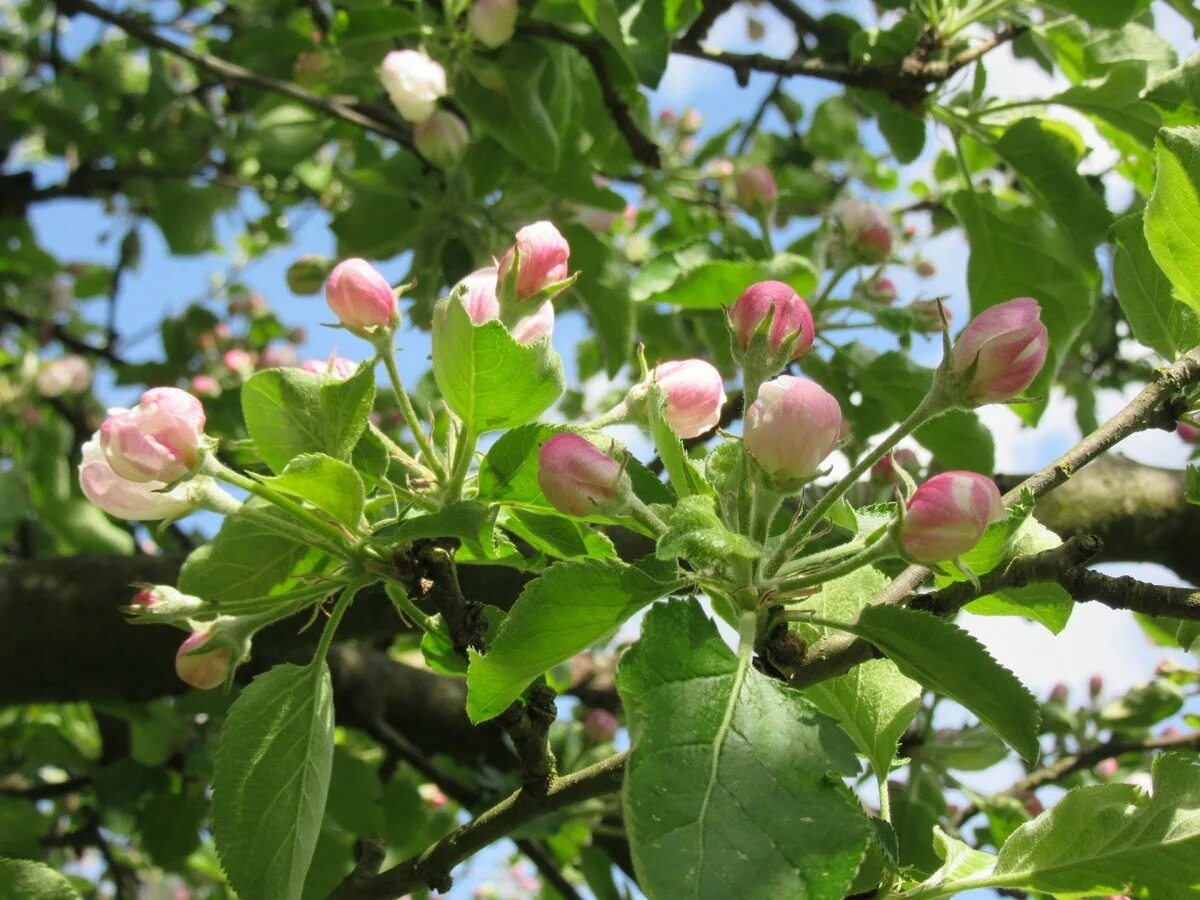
[387,353]
[407,609]
[464,452]
[335,619]
[881,549]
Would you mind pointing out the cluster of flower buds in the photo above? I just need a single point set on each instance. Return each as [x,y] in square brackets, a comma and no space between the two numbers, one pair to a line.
[881,291]
[1000,352]
[948,514]
[790,429]
[361,298]
[492,22]
[413,82]
[771,326]
[863,232]
[67,375]
[580,480]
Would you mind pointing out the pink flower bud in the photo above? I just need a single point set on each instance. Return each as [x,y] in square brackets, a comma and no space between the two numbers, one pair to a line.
[542,255]
[1004,347]
[1059,693]
[578,479]
[884,471]
[695,395]
[600,725]
[1033,805]
[866,229]
[720,168]
[1107,768]
[1188,432]
[756,188]
[882,290]
[535,326]
[442,139]
[144,597]
[361,297]
[157,440]
[925,268]
[791,321]
[278,357]
[948,514]
[432,796]
[792,426]
[413,82]
[201,668]
[205,386]
[138,501]
[238,361]
[926,317]
[493,22]
[337,367]
[482,305]
[1095,685]
[68,375]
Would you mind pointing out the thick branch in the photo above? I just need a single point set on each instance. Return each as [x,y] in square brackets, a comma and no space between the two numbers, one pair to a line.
[1152,407]
[432,867]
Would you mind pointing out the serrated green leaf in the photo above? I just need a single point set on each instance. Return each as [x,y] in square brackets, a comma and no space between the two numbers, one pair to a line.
[572,605]
[472,522]
[487,378]
[969,749]
[271,779]
[290,411]
[688,283]
[1115,99]
[1103,839]
[557,535]
[25,878]
[327,483]
[732,783]
[696,533]
[1158,320]
[1172,218]
[951,662]
[874,704]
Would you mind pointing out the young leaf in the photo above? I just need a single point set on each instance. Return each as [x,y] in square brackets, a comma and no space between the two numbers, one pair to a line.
[951,662]
[327,483]
[290,411]
[271,778]
[487,378]
[873,703]
[571,606]
[26,878]
[733,779]
[1103,839]
[471,522]
[695,533]
[1158,320]
[1173,213]
[556,535]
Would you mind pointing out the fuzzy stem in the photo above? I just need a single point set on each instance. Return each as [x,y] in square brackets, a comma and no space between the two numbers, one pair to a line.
[881,549]
[387,353]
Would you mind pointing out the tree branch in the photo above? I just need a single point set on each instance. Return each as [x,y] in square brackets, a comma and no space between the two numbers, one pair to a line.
[432,867]
[1153,406]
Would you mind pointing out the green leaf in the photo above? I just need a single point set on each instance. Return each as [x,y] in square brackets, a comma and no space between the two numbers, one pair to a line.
[1103,839]
[1174,90]
[684,477]
[1173,214]
[487,378]
[327,483]
[688,283]
[1158,320]
[289,412]
[969,749]
[1015,252]
[34,880]
[1115,99]
[557,535]
[874,704]
[733,782]
[184,214]
[471,522]
[1045,155]
[841,600]
[571,606]
[505,100]
[250,557]
[951,662]
[271,779]
[696,533]
[1103,13]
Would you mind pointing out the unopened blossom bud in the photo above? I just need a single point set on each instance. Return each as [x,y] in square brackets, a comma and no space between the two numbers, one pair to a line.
[158,440]
[925,268]
[68,375]
[720,168]
[540,254]
[791,323]
[927,318]
[600,725]
[695,395]
[361,297]
[477,293]
[307,274]
[756,189]
[205,386]
[337,367]
[432,796]
[278,357]
[137,501]
[535,326]
[580,480]
[1188,432]
[1032,804]
[442,139]
[202,664]
[1002,350]
[865,230]
[691,122]
[238,361]
[1059,693]
[790,429]
[884,471]
[158,603]
[1107,768]
[1095,685]
[948,514]
[493,22]
[297,336]
[144,597]
[882,290]
[413,82]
